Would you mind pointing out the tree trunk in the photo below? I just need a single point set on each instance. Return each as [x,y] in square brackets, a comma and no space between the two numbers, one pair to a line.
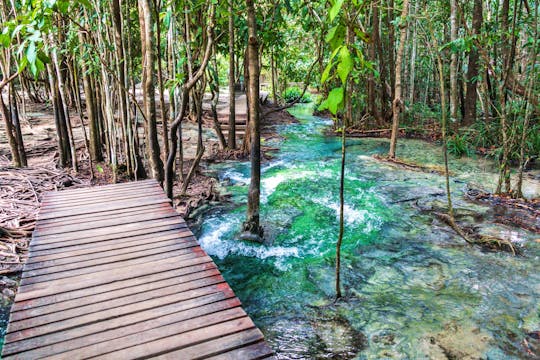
[397,103]
[232,100]
[252,226]
[164,116]
[14,110]
[453,64]
[15,156]
[147,37]
[472,71]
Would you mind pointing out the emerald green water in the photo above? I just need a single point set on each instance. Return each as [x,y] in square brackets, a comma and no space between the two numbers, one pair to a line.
[413,289]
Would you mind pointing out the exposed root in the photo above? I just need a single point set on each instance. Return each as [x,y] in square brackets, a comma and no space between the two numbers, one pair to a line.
[516,212]
[472,238]
[411,166]
[20,195]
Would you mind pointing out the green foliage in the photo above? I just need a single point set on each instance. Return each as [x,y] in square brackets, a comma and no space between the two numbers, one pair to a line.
[458,145]
[334,101]
[294,92]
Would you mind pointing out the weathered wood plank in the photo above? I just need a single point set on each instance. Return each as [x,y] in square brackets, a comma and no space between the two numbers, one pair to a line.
[105,320]
[143,260]
[75,219]
[94,234]
[259,350]
[149,228]
[32,291]
[83,252]
[172,343]
[72,299]
[47,206]
[104,207]
[217,346]
[91,344]
[131,185]
[115,307]
[128,254]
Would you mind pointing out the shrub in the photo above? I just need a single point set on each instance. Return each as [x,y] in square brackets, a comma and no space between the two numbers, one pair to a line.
[458,145]
[292,93]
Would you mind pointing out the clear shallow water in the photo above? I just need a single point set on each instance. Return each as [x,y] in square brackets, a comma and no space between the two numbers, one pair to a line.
[413,289]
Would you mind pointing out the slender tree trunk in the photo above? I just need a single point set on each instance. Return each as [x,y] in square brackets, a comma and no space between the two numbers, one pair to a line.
[412,73]
[15,156]
[453,64]
[397,104]
[14,110]
[341,213]
[252,226]
[372,52]
[164,116]
[472,71]
[232,99]
[147,38]
[60,121]
[528,110]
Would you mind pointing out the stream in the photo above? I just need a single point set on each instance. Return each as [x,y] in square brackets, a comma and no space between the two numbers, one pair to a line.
[413,289]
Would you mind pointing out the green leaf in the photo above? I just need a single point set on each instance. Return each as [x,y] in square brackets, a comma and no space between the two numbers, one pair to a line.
[5,40]
[335,9]
[334,100]
[331,34]
[345,64]
[31,53]
[326,72]
[99,168]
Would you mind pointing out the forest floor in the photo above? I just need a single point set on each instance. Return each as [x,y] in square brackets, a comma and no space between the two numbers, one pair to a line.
[21,190]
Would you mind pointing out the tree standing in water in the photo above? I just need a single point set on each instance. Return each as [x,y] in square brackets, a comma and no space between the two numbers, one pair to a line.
[252,228]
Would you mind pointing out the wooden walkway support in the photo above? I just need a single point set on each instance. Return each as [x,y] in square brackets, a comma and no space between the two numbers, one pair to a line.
[114,273]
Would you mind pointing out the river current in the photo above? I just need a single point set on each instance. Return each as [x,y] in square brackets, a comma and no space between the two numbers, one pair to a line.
[413,289]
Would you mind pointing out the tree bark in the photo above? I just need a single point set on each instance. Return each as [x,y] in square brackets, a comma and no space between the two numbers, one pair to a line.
[232,100]
[252,226]
[397,103]
[471,95]
[453,64]
[147,38]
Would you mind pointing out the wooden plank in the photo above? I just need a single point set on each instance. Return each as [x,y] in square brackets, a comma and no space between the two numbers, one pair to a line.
[217,346]
[103,207]
[163,211]
[68,348]
[109,249]
[259,350]
[106,320]
[96,234]
[149,291]
[131,185]
[129,254]
[141,260]
[114,197]
[72,299]
[149,228]
[100,195]
[58,197]
[172,343]
[174,325]
[75,307]
[75,219]
[33,291]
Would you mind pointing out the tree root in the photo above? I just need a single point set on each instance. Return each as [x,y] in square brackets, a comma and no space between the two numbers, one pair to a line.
[411,166]
[485,241]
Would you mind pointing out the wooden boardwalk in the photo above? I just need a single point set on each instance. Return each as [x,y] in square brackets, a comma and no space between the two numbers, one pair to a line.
[113,272]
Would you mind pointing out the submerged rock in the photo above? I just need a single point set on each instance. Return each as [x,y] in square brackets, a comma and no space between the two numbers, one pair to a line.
[340,339]
[456,342]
